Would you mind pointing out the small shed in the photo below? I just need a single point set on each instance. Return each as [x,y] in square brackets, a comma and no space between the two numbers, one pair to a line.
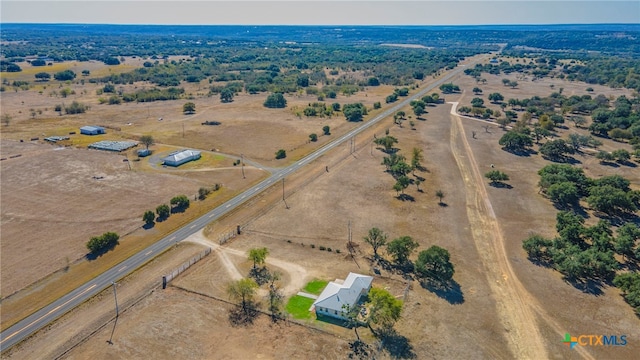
[92,130]
[144,152]
[180,157]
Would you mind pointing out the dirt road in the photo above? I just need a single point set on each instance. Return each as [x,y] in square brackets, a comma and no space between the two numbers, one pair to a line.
[518,309]
[517,317]
[297,274]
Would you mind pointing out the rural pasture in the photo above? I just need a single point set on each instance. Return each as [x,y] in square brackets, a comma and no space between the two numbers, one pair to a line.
[504,306]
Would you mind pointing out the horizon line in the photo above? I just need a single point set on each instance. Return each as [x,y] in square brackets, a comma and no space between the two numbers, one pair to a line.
[321,25]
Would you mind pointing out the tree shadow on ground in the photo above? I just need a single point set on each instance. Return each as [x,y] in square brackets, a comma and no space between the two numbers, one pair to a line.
[260,275]
[243,317]
[178,209]
[520,152]
[94,255]
[148,226]
[609,163]
[500,185]
[398,346]
[442,204]
[449,291]
[629,164]
[587,286]
[406,197]
[360,350]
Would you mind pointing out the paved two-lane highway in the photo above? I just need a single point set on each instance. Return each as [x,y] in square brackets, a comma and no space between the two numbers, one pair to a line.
[46,315]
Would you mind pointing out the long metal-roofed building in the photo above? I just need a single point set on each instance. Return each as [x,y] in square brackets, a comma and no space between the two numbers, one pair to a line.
[180,157]
[92,130]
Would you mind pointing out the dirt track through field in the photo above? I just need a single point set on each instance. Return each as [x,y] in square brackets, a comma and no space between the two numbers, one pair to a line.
[297,274]
[517,308]
[518,320]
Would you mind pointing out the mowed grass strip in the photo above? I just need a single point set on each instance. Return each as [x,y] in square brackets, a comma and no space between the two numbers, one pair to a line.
[298,306]
[315,287]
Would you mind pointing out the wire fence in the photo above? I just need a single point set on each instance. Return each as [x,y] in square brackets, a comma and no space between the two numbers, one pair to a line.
[167,278]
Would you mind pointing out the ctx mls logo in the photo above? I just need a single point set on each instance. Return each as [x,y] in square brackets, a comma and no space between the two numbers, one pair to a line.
[595,340]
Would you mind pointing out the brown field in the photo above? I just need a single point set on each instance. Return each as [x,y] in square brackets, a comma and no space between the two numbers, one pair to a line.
[505,307]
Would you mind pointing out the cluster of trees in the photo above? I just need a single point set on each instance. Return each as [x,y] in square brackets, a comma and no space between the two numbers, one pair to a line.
[582,252]
[566,185]
[320,109]
[178,204]
[354,112]
[432,265]
[243,291]
[449,88]
[73,108]
[153,94]
[614,71]
[396,164]
[103,243]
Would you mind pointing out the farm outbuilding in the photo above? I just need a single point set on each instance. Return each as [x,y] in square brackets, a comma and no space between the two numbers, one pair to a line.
[144,152]
[337,294]
[92,130]
[180,157]
[109,145]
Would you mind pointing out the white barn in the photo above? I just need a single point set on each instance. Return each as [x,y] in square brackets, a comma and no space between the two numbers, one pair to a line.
[180,157]
[338,293]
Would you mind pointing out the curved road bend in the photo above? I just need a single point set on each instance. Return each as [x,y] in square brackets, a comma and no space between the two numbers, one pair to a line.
[51,312]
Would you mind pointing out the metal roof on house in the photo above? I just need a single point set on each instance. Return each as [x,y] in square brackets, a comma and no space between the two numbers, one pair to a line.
[335,295]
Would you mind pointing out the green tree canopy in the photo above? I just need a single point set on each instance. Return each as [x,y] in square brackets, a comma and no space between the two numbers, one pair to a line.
[384,309]
[226,95]
[189,108]
[514,141]
[258,256]
[64,75]
[401,248]
[377,239]
[244,291]
[496,176]
[276,100]
[434,263]
[149,217]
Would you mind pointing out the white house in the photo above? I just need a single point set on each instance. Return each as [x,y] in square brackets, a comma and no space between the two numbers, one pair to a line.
[338,293]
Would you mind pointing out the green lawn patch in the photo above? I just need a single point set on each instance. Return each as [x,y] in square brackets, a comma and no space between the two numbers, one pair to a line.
[315,287]
[298,306]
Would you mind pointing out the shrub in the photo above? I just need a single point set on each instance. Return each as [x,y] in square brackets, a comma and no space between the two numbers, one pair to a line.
[322,248]
[281,154]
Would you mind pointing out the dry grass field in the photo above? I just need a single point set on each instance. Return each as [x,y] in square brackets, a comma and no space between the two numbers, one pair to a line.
[505,306]
[62,196]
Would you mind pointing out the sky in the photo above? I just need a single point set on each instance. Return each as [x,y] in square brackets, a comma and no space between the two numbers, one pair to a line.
[308,12]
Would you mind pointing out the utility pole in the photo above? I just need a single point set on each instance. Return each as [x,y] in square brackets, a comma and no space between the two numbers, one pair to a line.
[115,295]
[283,199]
[242,165]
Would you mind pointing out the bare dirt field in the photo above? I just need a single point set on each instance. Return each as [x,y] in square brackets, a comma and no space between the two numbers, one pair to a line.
[503,307]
